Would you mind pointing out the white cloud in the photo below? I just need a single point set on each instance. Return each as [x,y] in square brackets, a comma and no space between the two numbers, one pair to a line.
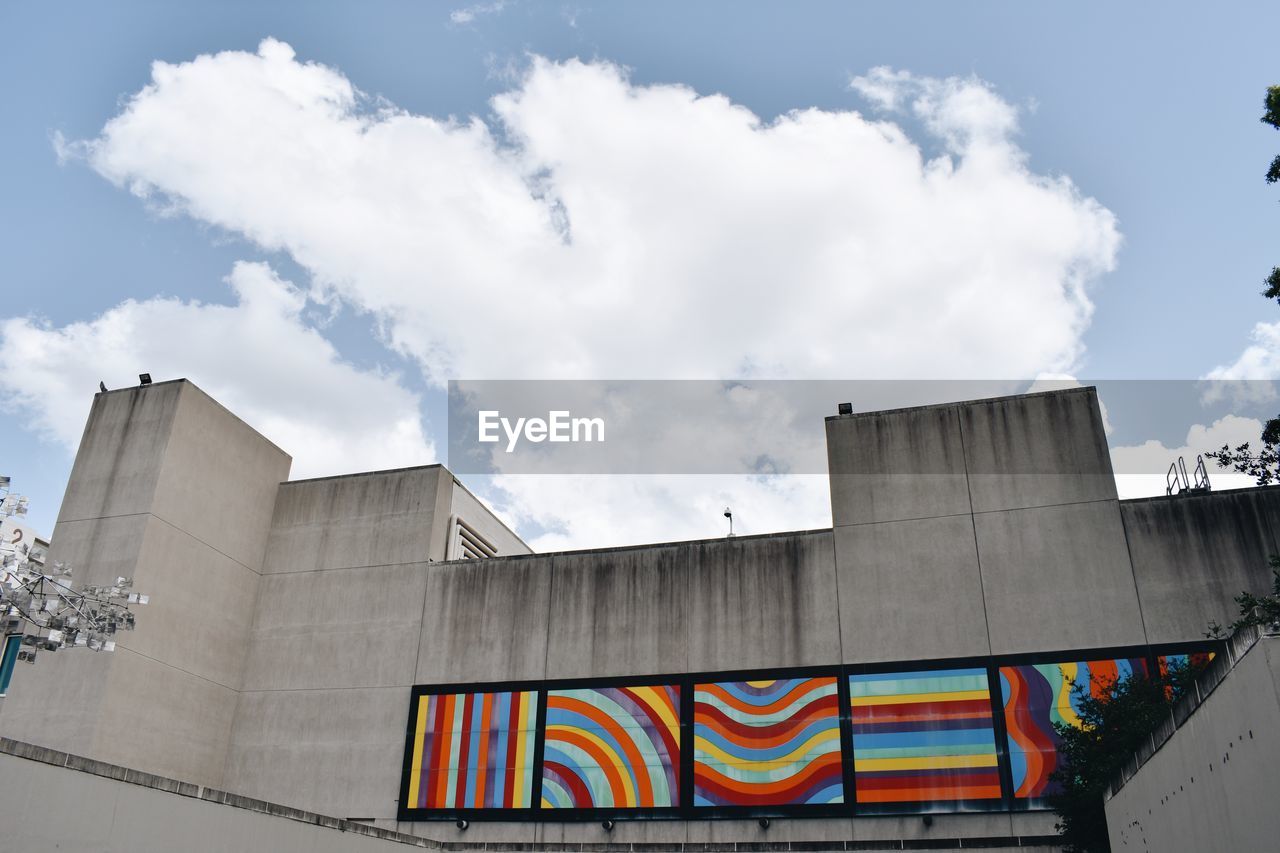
[257,357]
[1142,470]
[468,14]
[599,228]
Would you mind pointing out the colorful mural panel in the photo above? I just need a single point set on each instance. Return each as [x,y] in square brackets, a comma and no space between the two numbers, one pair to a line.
[1038,695]
[767,743]
[924,736]
[473,751]
[612,747]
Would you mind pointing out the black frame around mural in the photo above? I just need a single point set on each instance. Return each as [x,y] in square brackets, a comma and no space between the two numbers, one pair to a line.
[686,681]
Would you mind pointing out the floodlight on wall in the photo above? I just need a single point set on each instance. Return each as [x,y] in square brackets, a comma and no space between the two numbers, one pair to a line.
[144,378]
[845,408]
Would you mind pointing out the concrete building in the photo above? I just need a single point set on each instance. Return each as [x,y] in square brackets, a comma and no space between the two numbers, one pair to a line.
[301,631]
[1206,781]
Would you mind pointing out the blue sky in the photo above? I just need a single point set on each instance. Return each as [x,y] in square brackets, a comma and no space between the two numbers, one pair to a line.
[1151,110]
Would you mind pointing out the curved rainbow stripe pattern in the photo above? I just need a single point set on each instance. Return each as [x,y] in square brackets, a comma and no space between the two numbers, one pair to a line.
[923,737]
[612,746]
[473,750]
[767,743]
[1036,697]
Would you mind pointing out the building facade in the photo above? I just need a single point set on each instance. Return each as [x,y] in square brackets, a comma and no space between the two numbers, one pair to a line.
[334,645]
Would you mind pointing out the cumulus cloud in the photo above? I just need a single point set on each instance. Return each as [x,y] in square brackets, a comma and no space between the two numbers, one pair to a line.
[257,357]
[597,228]
[1142,470]
[600,228]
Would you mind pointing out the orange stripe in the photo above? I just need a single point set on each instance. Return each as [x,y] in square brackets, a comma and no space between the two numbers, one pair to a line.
[591,712]
[611,770]
[779,704]
[911,795]
[811,769]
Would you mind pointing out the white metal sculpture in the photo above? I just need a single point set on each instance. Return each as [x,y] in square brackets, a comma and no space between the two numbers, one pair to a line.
[39,602]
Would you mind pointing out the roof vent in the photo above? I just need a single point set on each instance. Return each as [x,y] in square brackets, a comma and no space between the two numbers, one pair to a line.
[466,543]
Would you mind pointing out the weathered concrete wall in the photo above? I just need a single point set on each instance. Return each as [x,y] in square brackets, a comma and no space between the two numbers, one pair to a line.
[1193,553]
[1211,787]
[1009,505]
[58,802]
[334,640]
[173,490]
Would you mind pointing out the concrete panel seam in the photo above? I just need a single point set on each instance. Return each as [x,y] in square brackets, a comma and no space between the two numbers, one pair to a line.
[325,689]
[204,543]
[1045,506]
[424,562]
[973,524]
[1133,574]
[102,517]
[178,668]
[899,520]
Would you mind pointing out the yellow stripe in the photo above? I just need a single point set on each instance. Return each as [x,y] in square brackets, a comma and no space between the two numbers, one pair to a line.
[938,762]
[517,777]
[760,685]
[657,700]
[800,753]
[618,761]
[1069,673]
[415,768]
[908,698]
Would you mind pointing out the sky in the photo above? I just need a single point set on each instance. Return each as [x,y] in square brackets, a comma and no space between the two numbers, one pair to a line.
[323,212]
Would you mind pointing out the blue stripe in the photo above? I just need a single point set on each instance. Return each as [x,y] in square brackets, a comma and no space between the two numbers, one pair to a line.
[896,740]
[747,752]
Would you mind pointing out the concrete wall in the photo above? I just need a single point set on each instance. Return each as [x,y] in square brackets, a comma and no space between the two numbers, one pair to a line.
[59,802]
[970,529]
[1193,553]
[1211,786]
[1010,504]
[173,490]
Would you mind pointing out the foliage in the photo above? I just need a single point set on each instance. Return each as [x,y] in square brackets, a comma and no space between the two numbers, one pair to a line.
[1254,609]
[1114,724]
[1263,466]
[1272,117]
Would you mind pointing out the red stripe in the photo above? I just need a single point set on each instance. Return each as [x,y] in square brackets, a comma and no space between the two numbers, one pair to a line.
[670,739]
[433,764]
[513,725]
[710,715]
[924,710]
[886,783]
[824,769]
[460,791]
[577,788]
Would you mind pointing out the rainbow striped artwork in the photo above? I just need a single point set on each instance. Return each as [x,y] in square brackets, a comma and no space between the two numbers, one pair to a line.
[1038,695]
[612,747]
[1195,660]
[473,751]
[923,736]
[767,743]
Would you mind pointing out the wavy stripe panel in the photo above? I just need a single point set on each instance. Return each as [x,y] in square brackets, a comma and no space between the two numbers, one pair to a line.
[1038,695]
[612,747]
[473,750]
[923,736]
[767,743]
